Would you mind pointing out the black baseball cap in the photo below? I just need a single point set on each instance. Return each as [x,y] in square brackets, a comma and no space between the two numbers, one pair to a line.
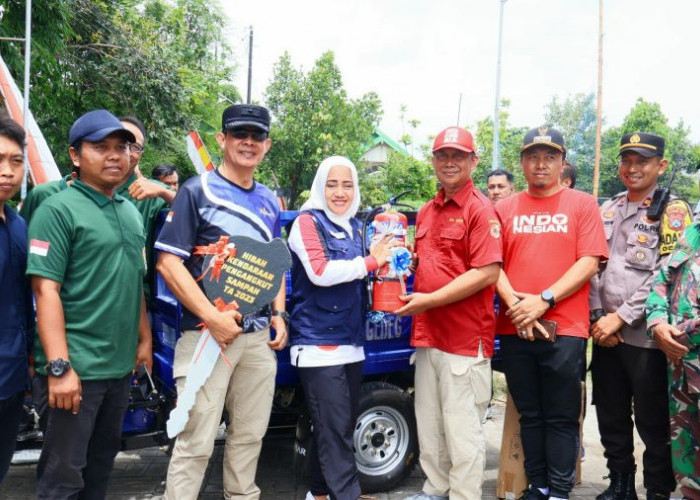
[245,115]
[544,136]
[643,143]
[95,125]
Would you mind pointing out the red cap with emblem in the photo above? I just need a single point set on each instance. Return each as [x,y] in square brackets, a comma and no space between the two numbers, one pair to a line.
[455,137]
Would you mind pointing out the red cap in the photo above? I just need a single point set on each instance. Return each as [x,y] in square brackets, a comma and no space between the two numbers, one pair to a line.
[455,137]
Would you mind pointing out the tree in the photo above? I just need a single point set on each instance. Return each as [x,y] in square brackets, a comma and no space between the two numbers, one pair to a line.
[681,153]
[575,117]
[313,118]
[162,61]
[510,142]
[401,173]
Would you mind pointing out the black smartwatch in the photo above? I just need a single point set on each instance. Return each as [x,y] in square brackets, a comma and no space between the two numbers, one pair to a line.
[57,367]
[282,314]
[548,297]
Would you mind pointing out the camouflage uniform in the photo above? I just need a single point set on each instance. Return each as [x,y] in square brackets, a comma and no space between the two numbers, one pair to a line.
[674,300]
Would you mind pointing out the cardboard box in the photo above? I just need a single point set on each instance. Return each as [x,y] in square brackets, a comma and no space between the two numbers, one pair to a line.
[512,480]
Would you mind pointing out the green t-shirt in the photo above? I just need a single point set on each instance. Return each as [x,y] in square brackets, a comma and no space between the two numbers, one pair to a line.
[94,247]
[39,193]
[149,210]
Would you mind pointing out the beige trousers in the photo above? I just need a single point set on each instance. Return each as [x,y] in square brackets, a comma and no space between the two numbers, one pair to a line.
[452,395]
[246,390]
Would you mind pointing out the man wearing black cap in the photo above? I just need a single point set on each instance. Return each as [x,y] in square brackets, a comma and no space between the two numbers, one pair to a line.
[561,226]
[629,370]
[86,262]
[224,202]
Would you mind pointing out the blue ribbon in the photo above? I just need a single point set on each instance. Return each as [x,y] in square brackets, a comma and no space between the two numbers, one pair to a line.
[400,261]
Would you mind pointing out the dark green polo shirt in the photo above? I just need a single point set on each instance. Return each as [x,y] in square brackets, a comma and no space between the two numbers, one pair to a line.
[94,247]
[149,210]
[39,193]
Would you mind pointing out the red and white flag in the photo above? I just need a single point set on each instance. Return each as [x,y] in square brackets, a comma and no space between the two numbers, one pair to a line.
[38,247]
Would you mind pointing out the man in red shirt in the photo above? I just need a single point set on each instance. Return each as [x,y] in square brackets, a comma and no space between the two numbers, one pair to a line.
[552,242]
[458,249]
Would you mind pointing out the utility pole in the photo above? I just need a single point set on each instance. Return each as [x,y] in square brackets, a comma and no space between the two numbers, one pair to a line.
[599,104]
[250,64]
[496,112]
[459,108]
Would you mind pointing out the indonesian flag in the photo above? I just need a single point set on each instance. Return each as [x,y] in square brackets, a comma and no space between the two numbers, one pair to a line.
[199,156]
[38,247]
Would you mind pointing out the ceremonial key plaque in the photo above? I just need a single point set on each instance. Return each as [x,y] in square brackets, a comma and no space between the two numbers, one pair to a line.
[238,273]
[244,270]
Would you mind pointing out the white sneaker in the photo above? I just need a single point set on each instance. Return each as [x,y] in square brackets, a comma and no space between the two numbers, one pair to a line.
[309,496]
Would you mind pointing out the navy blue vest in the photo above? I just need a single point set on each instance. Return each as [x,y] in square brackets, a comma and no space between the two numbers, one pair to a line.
[332,315]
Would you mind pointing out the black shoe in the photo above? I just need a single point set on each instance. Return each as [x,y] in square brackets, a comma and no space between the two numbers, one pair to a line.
[621,487]
[533,493]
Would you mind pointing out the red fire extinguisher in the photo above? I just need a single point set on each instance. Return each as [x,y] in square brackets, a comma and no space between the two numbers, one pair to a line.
[387,285]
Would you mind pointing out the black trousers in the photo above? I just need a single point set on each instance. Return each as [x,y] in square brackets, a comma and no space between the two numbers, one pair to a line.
[544,380]
[10,415]
[629,379]
[78,453]
[332,397]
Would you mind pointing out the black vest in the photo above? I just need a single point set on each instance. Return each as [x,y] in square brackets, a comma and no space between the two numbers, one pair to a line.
[333,315]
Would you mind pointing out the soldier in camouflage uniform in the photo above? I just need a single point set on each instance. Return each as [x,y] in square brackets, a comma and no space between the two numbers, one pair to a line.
[673,318]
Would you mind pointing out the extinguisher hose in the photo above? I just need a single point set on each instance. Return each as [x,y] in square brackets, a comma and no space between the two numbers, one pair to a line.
[365,247]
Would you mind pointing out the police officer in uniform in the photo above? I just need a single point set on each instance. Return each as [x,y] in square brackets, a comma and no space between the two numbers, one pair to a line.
[629,371]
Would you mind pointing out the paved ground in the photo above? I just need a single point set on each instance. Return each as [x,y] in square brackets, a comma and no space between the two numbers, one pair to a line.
[141,475]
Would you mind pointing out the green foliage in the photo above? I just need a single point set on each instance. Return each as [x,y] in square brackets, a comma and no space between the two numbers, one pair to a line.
[681,153]
[401,173]
[510,139]
[575,117]
[162,61]
[313,118]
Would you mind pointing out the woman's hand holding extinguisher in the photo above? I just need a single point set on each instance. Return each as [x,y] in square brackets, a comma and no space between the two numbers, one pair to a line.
[381,249]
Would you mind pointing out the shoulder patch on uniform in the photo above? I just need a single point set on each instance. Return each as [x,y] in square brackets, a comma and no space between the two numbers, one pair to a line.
[39,247]
[495,229]
[675,219]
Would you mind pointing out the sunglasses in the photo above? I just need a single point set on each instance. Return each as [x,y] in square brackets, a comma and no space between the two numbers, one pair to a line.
[258,135]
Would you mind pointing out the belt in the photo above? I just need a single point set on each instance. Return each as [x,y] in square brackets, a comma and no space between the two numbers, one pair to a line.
[256,321]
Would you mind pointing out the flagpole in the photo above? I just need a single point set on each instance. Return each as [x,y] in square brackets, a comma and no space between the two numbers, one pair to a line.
[27,63]
[599,104]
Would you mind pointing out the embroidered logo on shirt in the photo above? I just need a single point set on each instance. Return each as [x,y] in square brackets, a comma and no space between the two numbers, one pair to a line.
[38,247]
[264,211]
[169,217]
[495,229]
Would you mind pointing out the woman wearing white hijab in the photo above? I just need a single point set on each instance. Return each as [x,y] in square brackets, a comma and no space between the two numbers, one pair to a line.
[327,321]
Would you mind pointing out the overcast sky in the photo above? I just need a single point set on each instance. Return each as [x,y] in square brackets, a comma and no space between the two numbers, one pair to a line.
[425,53]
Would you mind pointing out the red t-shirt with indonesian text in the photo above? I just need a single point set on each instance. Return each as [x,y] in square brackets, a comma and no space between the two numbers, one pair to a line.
[542,239]
[453,237]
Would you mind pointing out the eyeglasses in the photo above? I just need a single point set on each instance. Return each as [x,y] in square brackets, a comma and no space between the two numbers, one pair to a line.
[241,133]
[136,148]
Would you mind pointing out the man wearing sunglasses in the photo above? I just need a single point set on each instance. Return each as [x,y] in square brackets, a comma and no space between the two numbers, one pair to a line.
[224,202]
[149,196]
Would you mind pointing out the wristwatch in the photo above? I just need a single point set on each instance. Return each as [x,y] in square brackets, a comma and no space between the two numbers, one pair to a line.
[282,314]
[57,367]
[548,297]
